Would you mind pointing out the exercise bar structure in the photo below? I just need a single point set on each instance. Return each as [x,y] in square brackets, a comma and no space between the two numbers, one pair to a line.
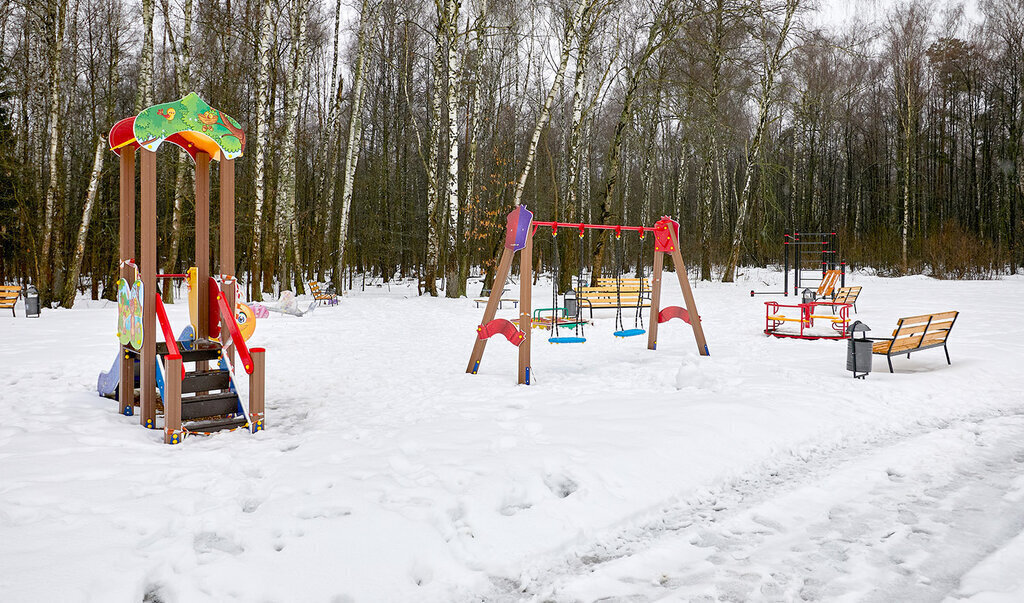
[817,249]
[519,231]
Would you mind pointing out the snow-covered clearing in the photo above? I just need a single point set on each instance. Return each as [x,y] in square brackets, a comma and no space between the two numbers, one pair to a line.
[762,472]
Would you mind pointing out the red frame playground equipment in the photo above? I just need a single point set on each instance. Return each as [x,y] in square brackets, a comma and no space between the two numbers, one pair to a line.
[519,232]
[205,134]
[774,318]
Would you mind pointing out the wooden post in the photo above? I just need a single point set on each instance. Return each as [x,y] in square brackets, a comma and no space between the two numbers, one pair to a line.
[652,329]
[691,304]
[257,390]
[227,247]
[203,244]
[172,399]
[147,360]
[126,389]
[525,313]
[492,308]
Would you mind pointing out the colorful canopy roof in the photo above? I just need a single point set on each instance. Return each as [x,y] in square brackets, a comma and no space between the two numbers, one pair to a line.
[190,123]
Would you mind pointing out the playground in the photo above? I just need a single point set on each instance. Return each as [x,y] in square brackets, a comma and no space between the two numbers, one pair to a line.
[386,472]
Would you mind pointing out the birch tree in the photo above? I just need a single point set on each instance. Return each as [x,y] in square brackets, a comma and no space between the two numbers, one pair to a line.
[54,19]
[260,168]
[775,48]
[181,53]
[287,225]
[353,140]
[449,23]
[70,284]
[580,9]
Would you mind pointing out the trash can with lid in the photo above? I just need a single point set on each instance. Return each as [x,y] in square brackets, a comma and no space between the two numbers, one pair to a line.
[31,302]
[858,351]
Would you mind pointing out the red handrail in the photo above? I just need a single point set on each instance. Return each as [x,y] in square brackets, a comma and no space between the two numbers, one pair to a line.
[165,326]
[236,335]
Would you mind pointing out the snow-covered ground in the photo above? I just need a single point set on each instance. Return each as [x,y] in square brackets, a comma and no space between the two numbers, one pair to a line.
[762,472]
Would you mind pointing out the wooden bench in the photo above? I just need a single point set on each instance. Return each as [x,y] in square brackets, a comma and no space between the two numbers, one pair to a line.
[486,297]
[828,284]
[320,297]
[606,296]
[847,295]
[916,333]
[9,296]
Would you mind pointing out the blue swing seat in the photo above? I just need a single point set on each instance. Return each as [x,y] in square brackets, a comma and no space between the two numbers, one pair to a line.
[629,332]
[567,339]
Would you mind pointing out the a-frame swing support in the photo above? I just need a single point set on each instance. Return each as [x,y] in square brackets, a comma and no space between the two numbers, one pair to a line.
[520,229]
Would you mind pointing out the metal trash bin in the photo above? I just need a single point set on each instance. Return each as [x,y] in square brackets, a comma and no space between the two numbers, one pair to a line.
[31,302]
[807,296]
[572,308]
[858,351]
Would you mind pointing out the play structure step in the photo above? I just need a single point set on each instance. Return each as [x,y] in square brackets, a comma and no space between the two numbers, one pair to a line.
[202,350]
[205,381]
[208,405]
[215,425]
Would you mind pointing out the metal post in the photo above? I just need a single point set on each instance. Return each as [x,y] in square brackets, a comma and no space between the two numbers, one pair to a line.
[525,307]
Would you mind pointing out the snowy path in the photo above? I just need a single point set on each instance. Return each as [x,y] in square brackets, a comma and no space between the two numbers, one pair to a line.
[902,520]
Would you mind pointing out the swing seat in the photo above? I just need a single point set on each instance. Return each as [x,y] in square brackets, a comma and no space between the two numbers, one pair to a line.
[567,339]
[629,332]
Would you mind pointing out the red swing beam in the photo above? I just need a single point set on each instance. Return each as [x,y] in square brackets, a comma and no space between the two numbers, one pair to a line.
[581,226]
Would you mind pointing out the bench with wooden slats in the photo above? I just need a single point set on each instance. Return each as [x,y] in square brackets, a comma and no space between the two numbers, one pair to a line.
[828,284]
[847,295]
[613,297]
[916,333]
[627,283]
[321,297]
[9,296]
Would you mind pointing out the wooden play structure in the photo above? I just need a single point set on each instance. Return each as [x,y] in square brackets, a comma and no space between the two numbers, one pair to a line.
[519,233]
[203,399]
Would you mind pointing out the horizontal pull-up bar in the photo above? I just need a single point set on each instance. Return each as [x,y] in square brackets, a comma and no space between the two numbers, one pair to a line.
[584,226]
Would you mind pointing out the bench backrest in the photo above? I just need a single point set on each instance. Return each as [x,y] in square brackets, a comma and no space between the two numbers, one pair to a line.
[9,295]
[922,331]
[625,283]
[847,295]
[828,283]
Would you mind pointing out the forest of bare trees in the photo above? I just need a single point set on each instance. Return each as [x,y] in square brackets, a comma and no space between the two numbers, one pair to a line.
[390,137]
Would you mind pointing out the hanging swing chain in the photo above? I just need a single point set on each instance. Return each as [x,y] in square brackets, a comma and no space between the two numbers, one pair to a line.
[619,250]
[638,320]
[554,284]
[579,285]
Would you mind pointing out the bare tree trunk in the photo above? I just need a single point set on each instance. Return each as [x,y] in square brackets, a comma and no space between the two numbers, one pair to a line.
[260,168]
[287,225]
[451,39]
[474,130]
[772,65]
[144,98]
[182,56]
[355,132]
[54,27]
[83,230]
[581,7]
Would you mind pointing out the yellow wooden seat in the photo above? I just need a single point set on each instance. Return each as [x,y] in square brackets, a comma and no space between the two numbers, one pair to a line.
[915,333]
[320,296]
[9,296]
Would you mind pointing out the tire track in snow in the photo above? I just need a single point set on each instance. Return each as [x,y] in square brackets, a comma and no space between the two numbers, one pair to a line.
[901,517]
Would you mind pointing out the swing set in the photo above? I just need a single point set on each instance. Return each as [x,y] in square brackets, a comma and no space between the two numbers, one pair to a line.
[519,233]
